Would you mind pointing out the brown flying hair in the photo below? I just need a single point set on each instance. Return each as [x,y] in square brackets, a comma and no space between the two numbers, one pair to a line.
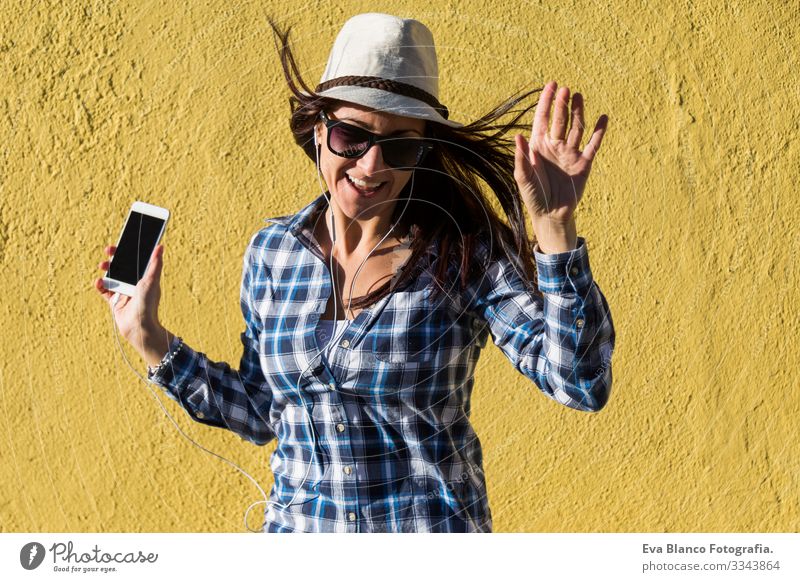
[448,204]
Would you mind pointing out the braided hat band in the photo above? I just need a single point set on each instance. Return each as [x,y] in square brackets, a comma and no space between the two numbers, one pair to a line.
[389,85]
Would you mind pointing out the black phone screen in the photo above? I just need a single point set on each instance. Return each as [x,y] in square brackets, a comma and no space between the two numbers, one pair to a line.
[138,240]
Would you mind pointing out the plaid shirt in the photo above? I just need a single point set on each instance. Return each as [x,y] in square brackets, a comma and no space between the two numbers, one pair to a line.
[390,405]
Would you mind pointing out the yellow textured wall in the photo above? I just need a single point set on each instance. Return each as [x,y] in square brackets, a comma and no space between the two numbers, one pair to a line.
[690,216]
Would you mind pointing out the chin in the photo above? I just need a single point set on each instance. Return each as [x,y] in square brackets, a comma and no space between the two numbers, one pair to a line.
[357,205]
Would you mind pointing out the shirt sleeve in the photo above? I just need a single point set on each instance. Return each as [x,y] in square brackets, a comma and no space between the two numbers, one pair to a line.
[563,338]
[214,394]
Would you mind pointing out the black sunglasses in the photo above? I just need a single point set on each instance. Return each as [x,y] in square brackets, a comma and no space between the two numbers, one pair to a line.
[350,141]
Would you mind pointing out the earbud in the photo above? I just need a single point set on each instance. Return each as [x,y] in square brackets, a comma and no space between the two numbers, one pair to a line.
[316,143]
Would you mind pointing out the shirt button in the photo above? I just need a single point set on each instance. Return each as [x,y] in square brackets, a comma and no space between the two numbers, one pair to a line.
[340,427]
[345,343]
[573,271]
[351,516]
[579,323]
[347,470]
[332,385]
[200,415]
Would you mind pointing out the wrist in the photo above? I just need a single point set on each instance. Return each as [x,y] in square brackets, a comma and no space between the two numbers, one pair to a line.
[151,328]
[155,344]
[167,360]
[556,237]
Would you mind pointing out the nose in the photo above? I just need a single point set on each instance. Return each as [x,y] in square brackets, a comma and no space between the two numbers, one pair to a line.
[372,162]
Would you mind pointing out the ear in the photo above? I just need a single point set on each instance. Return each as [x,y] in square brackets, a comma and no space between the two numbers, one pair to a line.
[317,134]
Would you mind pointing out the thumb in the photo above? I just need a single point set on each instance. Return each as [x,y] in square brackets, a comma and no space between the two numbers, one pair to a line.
[523,165]
[156,264]
[536,162]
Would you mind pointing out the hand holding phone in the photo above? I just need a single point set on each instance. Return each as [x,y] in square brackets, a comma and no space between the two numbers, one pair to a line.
[134,271]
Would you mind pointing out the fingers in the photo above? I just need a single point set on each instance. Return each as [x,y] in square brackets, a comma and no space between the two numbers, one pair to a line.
[597,137]
[108,295]
[104,293]
[541,119]
[109,250]
[103,266]
[559,127]
[577,123]
[565,114]
[98,284]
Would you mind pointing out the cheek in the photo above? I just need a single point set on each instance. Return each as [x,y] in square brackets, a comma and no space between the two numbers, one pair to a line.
[333,167]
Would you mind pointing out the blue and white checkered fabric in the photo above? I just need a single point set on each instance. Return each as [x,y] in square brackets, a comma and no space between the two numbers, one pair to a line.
[395,448]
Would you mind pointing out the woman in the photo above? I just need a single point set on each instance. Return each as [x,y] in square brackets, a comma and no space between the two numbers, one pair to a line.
[367,310]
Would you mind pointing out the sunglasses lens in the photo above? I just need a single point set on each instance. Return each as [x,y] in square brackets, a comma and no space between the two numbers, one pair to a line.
[402,152]
[348,141]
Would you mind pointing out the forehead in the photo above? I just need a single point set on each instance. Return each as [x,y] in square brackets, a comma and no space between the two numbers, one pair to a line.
[377,121]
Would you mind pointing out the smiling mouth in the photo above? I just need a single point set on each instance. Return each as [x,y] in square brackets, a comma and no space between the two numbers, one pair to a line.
[360,190]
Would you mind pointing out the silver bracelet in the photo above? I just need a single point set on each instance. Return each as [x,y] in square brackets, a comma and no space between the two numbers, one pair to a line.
[166,359]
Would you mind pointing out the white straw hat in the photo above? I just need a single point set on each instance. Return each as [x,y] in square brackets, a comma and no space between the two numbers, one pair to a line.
[386,63]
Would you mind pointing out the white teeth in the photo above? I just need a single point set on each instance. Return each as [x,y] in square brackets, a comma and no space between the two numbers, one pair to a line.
[362,184]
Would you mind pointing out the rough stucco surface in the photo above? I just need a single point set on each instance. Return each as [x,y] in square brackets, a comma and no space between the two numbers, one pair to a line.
[690,216]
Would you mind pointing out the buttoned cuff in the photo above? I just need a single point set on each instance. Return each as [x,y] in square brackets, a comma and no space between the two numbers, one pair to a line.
[564,273]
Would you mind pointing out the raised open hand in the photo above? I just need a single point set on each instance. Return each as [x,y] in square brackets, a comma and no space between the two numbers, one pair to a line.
[551,170]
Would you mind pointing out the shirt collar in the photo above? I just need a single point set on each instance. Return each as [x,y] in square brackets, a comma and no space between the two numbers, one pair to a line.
[305,219]
[302,219]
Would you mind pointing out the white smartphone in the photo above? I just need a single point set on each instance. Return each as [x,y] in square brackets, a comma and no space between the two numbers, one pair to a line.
[140,235]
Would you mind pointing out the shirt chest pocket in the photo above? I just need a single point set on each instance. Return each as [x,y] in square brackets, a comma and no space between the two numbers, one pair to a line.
[409,330]
[286,298]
